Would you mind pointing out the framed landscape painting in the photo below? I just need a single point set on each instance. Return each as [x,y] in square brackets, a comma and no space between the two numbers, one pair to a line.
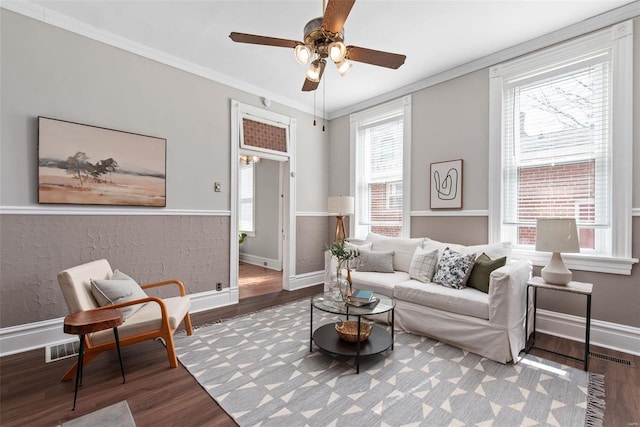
[446,185]
[89,165]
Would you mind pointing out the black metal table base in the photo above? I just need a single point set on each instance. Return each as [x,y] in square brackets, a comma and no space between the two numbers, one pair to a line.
[328,340]
[79,367]
[530,341]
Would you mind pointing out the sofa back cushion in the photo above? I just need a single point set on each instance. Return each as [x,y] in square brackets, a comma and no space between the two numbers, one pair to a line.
[402,248]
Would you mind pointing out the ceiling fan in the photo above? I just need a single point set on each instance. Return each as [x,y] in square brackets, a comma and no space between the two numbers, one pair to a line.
[324,38]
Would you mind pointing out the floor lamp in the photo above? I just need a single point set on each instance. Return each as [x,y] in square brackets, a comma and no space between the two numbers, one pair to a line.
[340,206]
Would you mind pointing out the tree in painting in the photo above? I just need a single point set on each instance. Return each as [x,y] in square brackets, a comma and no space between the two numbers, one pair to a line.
[79,165]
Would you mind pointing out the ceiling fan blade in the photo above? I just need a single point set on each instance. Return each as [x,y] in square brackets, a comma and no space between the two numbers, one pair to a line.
[310,85]
[267,41]
[375,57]
[335,14]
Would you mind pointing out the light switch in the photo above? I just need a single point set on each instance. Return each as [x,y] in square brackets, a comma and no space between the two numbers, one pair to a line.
[217,187]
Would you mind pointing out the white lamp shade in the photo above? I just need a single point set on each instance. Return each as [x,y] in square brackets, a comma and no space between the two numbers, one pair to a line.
[303,54]
[557,235]
[341,205]
[337,51]
[313,73]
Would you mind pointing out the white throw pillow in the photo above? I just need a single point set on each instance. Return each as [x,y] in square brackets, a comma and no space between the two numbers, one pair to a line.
[353,264]
[423,265]
[454,269]
[120,288]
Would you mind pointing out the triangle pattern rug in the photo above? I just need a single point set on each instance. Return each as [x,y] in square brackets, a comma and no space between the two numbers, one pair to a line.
[259,369]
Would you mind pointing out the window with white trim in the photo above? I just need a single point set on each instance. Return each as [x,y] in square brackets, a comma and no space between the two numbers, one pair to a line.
[380,140]
[555,134]
[246,189]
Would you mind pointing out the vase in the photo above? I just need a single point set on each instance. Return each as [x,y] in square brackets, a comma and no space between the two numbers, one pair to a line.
[339,286]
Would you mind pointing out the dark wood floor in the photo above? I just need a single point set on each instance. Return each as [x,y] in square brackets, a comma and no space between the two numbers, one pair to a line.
[255,280]
[32,395]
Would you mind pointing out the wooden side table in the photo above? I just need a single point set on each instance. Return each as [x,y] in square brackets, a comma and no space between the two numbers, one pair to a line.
[86,322]
[572,287]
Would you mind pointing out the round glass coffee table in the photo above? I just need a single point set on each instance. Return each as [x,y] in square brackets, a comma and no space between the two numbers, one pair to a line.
[327,339]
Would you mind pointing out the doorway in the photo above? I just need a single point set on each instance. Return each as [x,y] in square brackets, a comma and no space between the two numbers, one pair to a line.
[243,118]
[260,225]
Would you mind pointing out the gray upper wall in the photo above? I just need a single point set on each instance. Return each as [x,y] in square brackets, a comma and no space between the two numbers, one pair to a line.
[48,71]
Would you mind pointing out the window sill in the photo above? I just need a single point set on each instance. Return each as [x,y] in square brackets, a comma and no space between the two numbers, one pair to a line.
[582,262]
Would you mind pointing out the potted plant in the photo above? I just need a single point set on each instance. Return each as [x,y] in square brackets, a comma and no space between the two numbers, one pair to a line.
[343,255]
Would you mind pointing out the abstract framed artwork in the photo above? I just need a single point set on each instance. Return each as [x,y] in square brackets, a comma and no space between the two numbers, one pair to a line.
[89,165]
[446,185]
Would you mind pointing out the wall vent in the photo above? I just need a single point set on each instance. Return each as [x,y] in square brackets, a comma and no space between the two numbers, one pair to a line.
[60,351]
[608,358]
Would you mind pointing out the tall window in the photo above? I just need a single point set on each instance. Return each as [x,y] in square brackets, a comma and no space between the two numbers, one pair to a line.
[246,192]
[380,169]
[558,144]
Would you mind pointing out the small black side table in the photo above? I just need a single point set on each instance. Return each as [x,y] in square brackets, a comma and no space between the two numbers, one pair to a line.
[86,322]
[572,287]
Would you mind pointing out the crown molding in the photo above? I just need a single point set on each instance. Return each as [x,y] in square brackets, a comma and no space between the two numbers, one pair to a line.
[42,14]
[622,13]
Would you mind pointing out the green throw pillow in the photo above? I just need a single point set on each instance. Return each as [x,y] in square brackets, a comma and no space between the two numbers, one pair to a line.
[481,272]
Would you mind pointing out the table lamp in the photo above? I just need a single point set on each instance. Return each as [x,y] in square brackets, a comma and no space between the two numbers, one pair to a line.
[340,206]
[556,235]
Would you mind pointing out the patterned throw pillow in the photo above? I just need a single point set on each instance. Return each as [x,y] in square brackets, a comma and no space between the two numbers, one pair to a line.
[453,269]
[423,265]
[381,262]
[481,272]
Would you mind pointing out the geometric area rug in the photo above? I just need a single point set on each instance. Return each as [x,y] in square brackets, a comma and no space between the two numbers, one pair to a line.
[259,369]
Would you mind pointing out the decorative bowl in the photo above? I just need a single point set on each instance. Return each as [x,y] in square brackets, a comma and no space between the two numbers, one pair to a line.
[348,330]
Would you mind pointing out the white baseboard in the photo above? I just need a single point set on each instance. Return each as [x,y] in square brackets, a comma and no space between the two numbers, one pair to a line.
[31,336]
[272,264]
[305,280]
[604,334]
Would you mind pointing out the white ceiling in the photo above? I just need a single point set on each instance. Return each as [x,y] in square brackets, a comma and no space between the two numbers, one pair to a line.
[434,35]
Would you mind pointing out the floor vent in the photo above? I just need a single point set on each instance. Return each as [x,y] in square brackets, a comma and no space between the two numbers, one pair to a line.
[61,351]
[611,359]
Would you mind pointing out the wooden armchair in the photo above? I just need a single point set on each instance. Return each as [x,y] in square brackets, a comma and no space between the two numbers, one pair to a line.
[158,318]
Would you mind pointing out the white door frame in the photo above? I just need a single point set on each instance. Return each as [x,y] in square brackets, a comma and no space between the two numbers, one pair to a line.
[238,112]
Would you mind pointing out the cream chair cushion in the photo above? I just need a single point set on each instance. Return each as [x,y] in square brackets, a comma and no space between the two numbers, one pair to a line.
[75,284]
[148,318]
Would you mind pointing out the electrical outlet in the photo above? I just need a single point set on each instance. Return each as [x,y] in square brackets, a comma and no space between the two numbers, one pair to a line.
[217,187]
[219,286]
[265,263]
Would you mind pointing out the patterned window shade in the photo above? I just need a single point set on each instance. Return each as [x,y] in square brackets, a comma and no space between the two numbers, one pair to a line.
[262,135]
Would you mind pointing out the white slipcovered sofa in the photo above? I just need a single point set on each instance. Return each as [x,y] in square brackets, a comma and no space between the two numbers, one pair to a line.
[489,324]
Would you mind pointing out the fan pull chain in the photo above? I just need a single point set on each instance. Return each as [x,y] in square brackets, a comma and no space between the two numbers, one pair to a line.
[314,107]
[324,87]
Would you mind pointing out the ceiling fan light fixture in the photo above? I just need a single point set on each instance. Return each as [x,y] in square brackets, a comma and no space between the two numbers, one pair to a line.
[337,51]
[343,66]
[313,73]
[303,53]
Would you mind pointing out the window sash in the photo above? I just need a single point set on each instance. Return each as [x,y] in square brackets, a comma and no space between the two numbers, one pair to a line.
[615,257]
[379,163]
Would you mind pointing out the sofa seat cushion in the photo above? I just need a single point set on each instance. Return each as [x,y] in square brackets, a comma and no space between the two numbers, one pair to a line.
[147,319]
[467,301]
[382,283]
